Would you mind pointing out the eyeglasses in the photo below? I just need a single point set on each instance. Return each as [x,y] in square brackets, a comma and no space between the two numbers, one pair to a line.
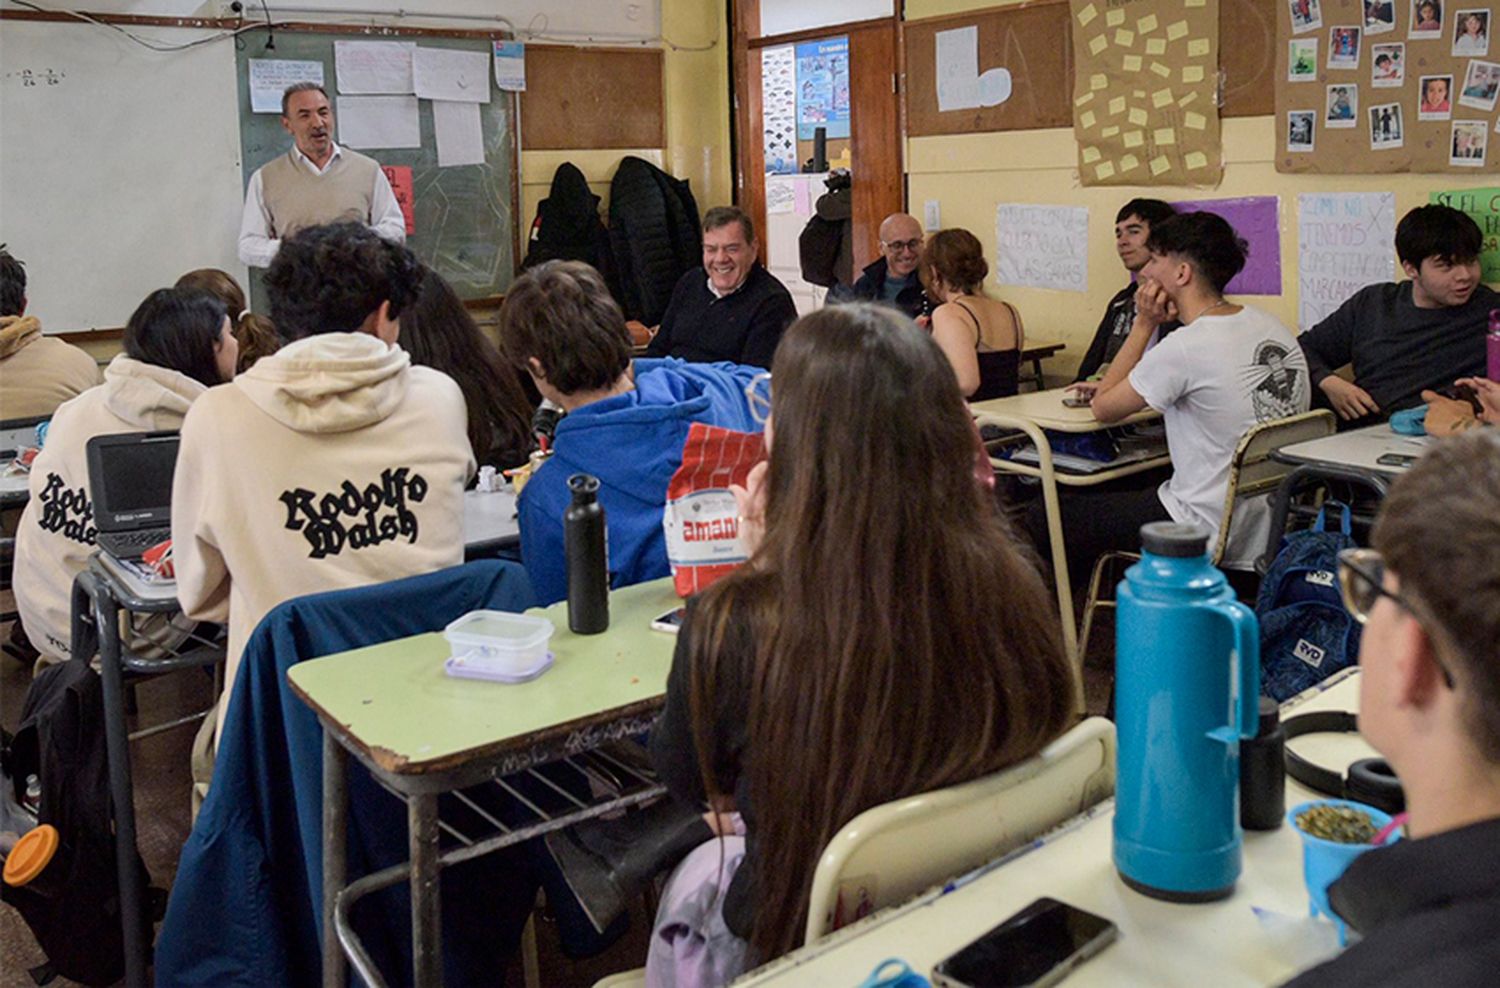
[1362,584]
[758,395]
[900,246]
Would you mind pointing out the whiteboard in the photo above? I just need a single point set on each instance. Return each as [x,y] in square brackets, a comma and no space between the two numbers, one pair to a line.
[118,172]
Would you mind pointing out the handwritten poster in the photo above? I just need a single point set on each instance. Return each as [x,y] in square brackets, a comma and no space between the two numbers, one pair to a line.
[269,78]
[373,67]
[400,178]
[1257,220]
[1345,241]
[1145,88]
[1484,206]
[1042,246]
[823,88]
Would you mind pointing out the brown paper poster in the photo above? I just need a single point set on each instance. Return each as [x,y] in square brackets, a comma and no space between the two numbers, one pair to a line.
[1387,86]
[1144,91]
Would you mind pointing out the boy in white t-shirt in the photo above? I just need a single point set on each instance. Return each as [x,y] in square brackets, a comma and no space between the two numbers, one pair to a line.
[1228,368]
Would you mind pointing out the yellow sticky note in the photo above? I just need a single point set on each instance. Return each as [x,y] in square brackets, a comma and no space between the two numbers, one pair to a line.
[1129,162]
[1083,100]
[1160,164]
[1156,46]
[1114,18]
[1161,98]
[1177,30]
[1164,136]
[1124,38]
[1091,155]
[1189,98]
[1105,169]
[1098,81]
[1195,121]
[1198,47]
[1138,116]
[1098,44]
[1196,159]
[1192,73]
[1134,139]
[1086,15]
[1109,132]
[1146,24]
[1117,106]
[1194,3]
[1161,70]
[1086,118]
[1139,93]
[1131,63]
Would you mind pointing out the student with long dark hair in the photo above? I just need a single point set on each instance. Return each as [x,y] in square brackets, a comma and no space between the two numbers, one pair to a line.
[177,345]
[439,333]
[845,664]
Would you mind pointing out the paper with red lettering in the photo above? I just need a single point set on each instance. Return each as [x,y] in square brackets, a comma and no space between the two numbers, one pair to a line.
[400,178]
[701,520]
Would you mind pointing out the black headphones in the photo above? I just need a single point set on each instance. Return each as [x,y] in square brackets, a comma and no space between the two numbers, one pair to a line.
[1369,780]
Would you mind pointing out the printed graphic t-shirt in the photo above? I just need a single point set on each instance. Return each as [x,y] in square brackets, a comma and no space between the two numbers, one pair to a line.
[1213,380]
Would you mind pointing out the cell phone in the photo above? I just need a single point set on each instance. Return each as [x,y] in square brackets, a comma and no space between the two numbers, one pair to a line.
[1075,399]
[670,622]
[1038,946]
[1395,460]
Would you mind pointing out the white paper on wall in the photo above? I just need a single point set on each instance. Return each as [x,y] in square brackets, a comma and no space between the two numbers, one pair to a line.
[379,122]
[1042,246]
[447,74]
[269,78]
[365,68]
[1345,241]
[960,84]
[460,139]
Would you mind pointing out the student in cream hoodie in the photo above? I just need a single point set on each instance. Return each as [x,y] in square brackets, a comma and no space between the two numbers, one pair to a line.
[332,463]
[177,344]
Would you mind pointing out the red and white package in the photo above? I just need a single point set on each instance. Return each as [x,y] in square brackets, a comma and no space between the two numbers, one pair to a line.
[701,520]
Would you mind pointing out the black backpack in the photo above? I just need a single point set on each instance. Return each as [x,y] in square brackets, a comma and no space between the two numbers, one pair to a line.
[61,742]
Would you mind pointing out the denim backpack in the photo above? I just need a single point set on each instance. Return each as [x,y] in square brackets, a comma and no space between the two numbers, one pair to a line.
[1306,634]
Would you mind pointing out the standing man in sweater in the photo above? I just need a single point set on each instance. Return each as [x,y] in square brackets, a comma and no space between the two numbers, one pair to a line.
[316,182]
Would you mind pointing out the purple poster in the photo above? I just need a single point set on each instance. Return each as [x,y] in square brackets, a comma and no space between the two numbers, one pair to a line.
[1256,219]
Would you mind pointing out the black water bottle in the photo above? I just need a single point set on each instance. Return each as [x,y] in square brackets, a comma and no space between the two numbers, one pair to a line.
[1263,772]
[588,557]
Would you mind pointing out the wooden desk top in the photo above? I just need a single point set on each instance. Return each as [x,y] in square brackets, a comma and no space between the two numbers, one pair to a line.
[397,706]
[1046,410]
[1358,448]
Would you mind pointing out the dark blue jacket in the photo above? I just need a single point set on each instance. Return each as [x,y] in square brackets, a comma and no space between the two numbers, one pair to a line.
[633,444]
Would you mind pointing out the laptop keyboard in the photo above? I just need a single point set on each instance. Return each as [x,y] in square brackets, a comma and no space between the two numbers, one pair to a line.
[128,545]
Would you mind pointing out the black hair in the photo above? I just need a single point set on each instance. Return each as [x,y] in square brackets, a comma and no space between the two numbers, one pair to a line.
[1206,240]
[1437,231]
[1153,211]
[329,279]
[178,328]
[12,284]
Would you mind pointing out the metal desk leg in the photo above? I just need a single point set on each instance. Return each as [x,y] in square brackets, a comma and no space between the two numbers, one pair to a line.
[335,853]
[132,896]
[426,905]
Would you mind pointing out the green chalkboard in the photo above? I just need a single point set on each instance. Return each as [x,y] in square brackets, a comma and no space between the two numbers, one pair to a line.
[465,215]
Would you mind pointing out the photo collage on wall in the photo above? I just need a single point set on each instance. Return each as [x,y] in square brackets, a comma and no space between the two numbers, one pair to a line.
[1416,81]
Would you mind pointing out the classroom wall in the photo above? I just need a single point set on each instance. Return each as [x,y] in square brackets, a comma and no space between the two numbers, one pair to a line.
[970,174]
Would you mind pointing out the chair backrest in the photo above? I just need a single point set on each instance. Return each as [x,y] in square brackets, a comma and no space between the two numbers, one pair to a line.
[1252,472]
[891,852]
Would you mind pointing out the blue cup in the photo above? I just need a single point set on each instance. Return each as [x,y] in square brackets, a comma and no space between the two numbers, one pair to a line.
[1323,861]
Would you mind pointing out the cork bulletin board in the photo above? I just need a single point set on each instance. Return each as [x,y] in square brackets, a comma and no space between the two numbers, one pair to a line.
[1381,86]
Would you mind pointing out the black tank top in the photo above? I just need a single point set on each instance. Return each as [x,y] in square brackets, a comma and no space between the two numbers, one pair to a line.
[999,370]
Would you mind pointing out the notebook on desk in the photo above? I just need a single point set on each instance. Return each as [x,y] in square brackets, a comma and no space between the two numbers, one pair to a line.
[130,484]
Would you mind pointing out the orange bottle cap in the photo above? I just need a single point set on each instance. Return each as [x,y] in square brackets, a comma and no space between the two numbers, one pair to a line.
[32,853]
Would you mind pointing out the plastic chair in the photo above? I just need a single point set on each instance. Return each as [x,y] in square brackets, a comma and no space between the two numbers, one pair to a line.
[1252,473]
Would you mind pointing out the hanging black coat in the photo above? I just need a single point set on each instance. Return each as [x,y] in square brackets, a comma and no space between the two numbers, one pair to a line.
[655,236]
[568,228]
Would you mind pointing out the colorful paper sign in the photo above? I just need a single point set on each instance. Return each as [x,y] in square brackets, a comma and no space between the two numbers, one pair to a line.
[1345,241]
[1257,220]
[400,178]
[1484,206]
[823,88]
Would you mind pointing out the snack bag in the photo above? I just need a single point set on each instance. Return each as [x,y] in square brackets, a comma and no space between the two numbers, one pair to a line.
[701,520]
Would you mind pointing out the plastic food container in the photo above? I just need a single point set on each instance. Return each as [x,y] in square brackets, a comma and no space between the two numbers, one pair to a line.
[496,645]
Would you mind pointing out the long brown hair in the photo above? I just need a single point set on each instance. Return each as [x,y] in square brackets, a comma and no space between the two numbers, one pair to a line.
[904,639]
[255,334]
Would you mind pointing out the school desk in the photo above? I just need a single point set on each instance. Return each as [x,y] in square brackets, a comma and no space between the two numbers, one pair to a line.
[490,523]
[422,733]
[1357,449]
[1161,944]
[1033,353]
[1032,414]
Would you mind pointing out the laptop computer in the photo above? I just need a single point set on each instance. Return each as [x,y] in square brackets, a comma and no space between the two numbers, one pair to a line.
[130,483]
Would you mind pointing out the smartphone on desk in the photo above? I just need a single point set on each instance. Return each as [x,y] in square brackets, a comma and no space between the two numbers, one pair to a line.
[1077,399]
[670,622]
[1038,946]
[1395,460]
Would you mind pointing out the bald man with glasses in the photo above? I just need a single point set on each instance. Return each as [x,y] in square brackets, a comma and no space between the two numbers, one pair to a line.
[892,278]
[1428,594]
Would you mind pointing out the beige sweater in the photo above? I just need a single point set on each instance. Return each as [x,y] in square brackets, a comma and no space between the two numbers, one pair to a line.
[38,373]
[332,463]
[56,534]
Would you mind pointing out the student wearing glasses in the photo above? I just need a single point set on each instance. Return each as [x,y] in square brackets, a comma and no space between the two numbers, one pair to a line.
[1428,907]
[892,278]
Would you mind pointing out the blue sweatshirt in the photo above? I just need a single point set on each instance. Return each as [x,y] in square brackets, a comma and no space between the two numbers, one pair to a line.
[633,444]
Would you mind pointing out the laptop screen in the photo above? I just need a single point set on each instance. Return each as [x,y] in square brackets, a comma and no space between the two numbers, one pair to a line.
[130,478]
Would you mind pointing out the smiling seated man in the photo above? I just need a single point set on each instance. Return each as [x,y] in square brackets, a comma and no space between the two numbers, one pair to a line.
[1428,906]
[1132,229]
[738,312]
[892,278]
[1400,339]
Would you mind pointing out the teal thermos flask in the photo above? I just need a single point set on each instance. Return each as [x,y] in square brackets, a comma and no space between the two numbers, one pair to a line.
[1187,685]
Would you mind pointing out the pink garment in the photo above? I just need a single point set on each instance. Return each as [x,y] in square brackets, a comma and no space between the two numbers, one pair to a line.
[690,945]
